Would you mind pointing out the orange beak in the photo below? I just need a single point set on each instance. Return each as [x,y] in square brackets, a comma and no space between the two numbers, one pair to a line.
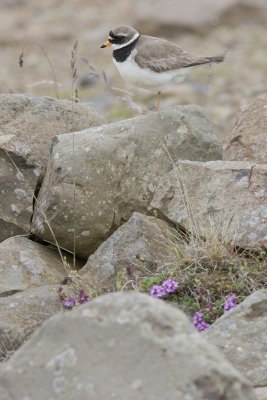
[106,44]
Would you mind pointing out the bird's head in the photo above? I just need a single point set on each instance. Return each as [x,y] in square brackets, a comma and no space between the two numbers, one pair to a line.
[121,36]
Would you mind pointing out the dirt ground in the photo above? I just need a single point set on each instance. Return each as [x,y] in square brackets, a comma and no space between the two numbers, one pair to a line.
[50,29]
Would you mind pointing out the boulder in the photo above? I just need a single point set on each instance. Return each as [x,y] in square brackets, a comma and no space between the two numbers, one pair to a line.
[156,16]
[241,335]
[22,313]
[117,168]
[27,126]
[136,248]
[249,139]
[25,264]
[226,197]
[123,346]
[261,393]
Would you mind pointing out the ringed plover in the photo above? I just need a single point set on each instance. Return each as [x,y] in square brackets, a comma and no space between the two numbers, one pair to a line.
[151,62]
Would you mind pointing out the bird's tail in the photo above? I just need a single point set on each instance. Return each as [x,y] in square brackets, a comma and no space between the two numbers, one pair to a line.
[219,58]
[207,60]
[216,59]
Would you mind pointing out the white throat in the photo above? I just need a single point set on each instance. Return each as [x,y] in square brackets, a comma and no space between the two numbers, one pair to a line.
[119,46]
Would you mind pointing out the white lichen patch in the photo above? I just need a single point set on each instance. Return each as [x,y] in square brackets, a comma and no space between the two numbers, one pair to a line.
[34,265]
[85,233]
[64,359]
[260,193]
[37,172]
[183,130]
[15,208]
[243,182]
[20,193]
[2,265]
[137,384]
[249,219]
[59,384]
[39,225]
[20,176]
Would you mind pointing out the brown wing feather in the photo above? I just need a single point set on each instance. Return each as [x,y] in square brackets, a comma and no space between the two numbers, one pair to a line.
[160,55]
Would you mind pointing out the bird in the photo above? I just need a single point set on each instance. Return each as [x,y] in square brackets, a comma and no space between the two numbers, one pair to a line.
[151,62]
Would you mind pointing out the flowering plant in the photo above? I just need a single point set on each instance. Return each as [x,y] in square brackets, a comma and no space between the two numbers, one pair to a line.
[70,300]
[199,323]
[230,302]
[169,286]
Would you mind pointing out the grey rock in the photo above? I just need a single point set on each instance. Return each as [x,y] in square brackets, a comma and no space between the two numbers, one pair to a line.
[25,264]
[27,126]
[261,393]
[249,139]
[193,15]
[241,335]
[12,3]
[22,313]
[117,169]
[4,394]
[121,346]
[226,197]
[136,248]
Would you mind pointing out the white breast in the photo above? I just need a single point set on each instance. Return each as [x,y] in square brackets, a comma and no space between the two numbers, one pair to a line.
[145,78]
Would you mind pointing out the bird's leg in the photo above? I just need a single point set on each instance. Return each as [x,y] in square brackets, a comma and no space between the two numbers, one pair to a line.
[158,102]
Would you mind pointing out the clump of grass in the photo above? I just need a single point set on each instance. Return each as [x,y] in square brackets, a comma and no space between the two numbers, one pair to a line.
[10,341]
[212,274]
[208,270]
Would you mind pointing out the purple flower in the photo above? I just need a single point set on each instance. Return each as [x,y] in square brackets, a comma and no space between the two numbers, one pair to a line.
[199,323]
[170,286]
[201,289]
[157,291]
[129,270]
[230,302]
[82,296]
[70,302]
[198,317]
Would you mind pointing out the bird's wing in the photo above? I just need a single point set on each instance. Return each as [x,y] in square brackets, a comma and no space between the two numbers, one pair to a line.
[159,55]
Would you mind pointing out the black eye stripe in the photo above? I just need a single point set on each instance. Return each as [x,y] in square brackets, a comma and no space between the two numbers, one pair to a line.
[120,39]
[116,37]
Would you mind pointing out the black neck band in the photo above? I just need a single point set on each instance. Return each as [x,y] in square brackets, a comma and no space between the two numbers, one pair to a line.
[123,53]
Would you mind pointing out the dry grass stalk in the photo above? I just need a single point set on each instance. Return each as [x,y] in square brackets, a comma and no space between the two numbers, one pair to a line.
[21,63]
